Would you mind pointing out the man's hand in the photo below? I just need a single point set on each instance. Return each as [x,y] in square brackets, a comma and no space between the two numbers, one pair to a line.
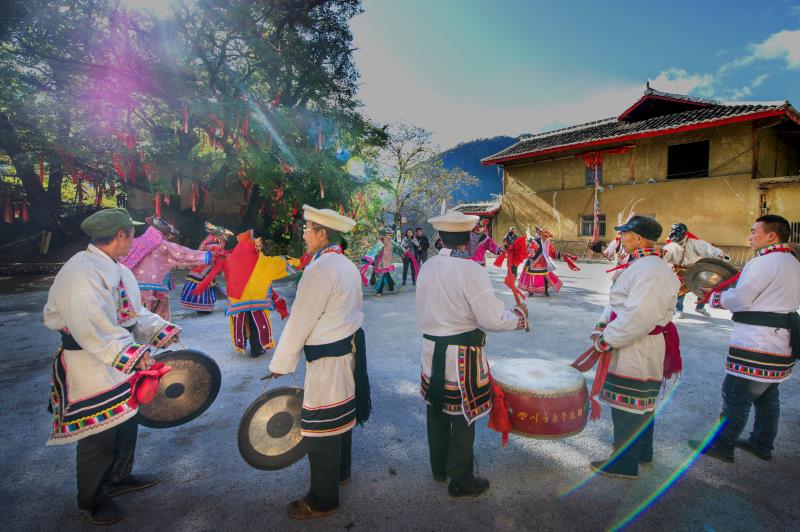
[601,345]
[145,362]
[598,330]
[272,375]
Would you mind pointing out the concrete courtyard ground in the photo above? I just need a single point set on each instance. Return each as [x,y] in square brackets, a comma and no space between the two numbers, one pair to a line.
[536,484]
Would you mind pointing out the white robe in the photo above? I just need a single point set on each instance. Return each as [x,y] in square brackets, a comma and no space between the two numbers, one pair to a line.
[86,300]
[643,297]
[328,307]
[692,250]
[455,295]
[770,283]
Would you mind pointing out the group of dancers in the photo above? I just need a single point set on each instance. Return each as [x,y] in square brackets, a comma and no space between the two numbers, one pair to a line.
[104,311]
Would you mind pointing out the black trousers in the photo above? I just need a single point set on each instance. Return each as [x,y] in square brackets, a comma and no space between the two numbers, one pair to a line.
[450,441]
[387,282]
[633,440]
[104,458]
[406,266]
[330,458]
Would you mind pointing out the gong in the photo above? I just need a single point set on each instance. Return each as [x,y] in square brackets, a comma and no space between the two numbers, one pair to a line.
[706,274]
[269,432]
[185,392]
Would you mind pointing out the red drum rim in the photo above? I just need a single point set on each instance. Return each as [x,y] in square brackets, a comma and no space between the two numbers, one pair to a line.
[533,393]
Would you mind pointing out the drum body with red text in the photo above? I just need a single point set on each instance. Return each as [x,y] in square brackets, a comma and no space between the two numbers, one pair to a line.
[546,399]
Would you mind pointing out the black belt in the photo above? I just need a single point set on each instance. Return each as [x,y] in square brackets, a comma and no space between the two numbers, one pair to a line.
[473,338]
[69,343]
[777,320]
[356,344]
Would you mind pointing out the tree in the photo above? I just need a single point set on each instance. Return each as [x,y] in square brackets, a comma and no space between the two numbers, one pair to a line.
[414,176]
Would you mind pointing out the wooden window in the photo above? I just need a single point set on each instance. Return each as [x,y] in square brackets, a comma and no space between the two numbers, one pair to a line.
[586,225]
[794,236]
[687,161]
[589,176]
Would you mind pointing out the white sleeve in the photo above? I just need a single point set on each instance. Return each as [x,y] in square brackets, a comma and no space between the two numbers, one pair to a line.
[707,250]
[643,307]
[752,282]
[312,296]
[672,253]
[489,311]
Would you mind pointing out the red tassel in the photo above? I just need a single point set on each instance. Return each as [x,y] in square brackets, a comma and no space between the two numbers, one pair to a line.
[8,212]
[500,416]
[98,194]
[25,212]
[194,197]
[185,119]
[245,125]
[17,211]
[41,169]
[116,160]
[341,208]
[321,189]
[166,200]
[158,204]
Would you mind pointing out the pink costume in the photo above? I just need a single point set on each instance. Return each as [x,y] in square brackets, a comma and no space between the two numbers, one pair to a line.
[152,258]
[538,272]
[487,244]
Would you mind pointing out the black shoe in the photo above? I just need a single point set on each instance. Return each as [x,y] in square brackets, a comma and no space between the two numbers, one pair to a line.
[204,312]
[748,447]
[480,486]
[608,470]
[404,283]
[643,461]
[131,483]
[256,350]
[711,451]
[107,513]
[440,478]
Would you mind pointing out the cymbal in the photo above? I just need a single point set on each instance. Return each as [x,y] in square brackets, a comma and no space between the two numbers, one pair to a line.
[707,273]
[269,432]
[185,392]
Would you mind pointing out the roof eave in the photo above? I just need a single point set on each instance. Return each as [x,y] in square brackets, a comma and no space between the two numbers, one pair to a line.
[646,134]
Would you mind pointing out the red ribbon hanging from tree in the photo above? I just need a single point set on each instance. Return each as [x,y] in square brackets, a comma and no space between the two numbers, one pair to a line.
[321,189]
[194,196]
[116,160]
[8,212]
[41,169]
[25,217]
[158,204]
[185,119]
[98,194]
[245,124]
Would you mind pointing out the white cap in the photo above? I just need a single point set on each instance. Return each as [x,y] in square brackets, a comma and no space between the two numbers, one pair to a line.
[328,218]
[454,222]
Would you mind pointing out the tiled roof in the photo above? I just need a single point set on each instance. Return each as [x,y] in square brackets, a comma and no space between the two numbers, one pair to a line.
[614,130]
[483,207]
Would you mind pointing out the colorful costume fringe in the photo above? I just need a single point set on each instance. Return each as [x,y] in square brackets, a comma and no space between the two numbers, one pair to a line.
[204,301]
[539,269]
[382,266]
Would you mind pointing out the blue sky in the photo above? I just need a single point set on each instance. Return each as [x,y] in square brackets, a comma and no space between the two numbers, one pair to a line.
[466,69]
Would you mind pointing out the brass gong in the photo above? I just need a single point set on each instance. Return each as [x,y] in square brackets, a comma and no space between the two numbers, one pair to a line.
[269,432]
[706,274]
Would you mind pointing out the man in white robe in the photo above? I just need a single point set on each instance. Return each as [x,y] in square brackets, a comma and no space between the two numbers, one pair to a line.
[106,336]
[765,341]
[635,328]
[455,304]
[325,323]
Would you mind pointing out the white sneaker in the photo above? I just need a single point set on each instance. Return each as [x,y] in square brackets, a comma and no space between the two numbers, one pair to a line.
[702,312]
[678,315]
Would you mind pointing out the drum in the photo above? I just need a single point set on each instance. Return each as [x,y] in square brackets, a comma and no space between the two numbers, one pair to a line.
[707,273]
[269,432]
[547,399]
[185,392]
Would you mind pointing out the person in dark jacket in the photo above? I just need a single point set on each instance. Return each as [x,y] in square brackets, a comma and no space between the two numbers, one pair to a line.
[424,244]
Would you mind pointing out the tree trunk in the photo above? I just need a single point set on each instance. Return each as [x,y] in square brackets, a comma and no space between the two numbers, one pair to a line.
[41,210]
[249,218]
[54,184]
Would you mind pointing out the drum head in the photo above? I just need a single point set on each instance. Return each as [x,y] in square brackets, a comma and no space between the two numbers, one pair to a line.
[185,392]
[536,376]
[269,432]
[707,273]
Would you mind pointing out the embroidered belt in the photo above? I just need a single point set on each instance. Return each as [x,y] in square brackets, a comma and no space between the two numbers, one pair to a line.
[473,338]
[356,344]
[777,320]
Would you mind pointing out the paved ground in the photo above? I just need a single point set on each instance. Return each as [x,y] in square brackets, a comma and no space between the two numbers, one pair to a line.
[536,484]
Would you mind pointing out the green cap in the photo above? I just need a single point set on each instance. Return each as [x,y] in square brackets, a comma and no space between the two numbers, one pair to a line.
[107,222]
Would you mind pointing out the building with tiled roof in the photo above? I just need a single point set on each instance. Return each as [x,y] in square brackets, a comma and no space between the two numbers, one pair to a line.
[713,165]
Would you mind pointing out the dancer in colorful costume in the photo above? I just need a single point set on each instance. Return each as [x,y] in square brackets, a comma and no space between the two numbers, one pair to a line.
[765,341]
[455,303]
[381,259]
[204,302]
[325,325]
[682,250]
[538,275]
[480,243]
[151,259]
[106,336]
[637,347]
[249,275]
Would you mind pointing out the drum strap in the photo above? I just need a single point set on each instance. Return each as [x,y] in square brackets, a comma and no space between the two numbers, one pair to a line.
[356,344]
[473,338]
[777,320]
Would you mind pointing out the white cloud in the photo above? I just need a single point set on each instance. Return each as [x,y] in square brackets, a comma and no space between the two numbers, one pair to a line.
[679,81]
[782,45]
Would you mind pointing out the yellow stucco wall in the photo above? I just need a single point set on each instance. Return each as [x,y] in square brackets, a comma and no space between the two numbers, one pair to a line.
[720,208]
